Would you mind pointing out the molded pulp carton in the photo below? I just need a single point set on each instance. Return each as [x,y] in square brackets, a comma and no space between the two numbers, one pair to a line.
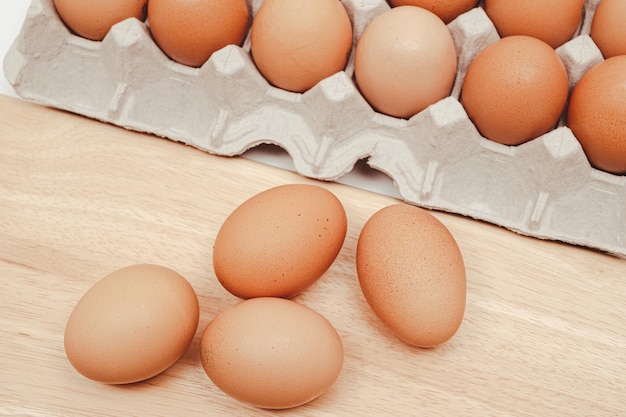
[437,159]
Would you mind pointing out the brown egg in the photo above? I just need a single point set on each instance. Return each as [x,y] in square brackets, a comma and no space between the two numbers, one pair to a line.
[597,114]
[554,22]
[280,241]
[445,9]
[515,90]
[93,19]
[132,324]
[405,61]
[271,353]
[608,27]
[189,31]
[412,274]
[297,43]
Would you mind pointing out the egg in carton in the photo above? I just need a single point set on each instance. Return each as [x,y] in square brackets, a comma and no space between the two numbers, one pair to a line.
[437,159]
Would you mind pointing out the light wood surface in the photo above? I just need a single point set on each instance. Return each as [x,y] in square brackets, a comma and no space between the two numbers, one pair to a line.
[544,331]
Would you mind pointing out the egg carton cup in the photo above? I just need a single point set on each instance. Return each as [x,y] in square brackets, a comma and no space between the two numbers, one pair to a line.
[437,159]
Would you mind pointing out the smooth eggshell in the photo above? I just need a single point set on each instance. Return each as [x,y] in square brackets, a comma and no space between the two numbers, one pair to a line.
[515,89]
[608,27]
[447,10]
[271,353]
[132,324]
[412,274]
[280,241]
[405,61]
[297,43]
[554,22]
[597,114]
[93,19]
[189,31]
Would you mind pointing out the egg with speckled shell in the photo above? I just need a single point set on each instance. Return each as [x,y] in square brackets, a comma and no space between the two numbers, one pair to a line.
[412,274]
[597,114]
[279,241]
[515,90]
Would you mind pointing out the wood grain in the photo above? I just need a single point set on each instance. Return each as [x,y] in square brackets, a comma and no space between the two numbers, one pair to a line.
[544,331]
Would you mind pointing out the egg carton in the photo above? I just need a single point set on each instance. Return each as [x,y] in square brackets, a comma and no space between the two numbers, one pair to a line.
[437,159]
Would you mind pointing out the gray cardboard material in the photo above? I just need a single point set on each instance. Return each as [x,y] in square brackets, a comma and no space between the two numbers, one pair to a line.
[437,159]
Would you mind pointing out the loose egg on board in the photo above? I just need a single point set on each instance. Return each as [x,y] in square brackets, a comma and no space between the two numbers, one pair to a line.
[405,61]
[608,27]
[446,10]
[189,31]
[515,89]
[297,43]
[280,241]
[597,114]
[132,324]
[271,353]
[554,22]
[412,274]
[93,19]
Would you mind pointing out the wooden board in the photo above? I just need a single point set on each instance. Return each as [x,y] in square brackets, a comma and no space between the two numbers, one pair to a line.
[544,331]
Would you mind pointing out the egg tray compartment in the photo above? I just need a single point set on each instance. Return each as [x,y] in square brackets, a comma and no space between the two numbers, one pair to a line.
[437,159]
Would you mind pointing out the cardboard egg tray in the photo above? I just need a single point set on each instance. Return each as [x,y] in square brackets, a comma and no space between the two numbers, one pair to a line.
[437,159]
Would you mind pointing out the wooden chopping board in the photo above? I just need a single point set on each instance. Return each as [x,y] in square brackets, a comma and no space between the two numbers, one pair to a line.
[544,331]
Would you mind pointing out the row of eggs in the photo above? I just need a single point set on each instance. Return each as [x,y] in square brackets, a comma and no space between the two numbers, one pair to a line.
[190,32]
[139,320]
[514,91]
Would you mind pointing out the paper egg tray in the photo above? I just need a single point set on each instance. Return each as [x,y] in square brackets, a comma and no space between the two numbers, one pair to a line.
[545,188]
